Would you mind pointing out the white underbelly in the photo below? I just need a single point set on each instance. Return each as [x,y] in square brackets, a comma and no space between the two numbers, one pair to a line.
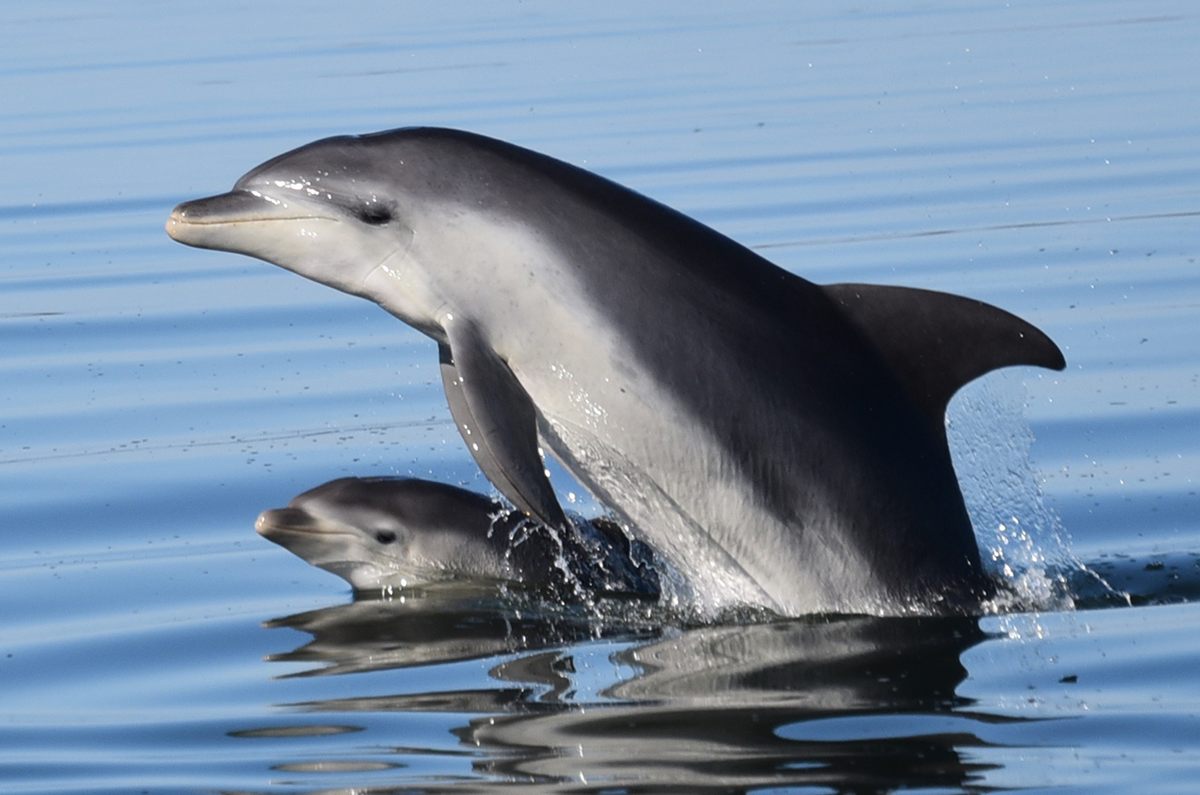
[669,478]
[630,440]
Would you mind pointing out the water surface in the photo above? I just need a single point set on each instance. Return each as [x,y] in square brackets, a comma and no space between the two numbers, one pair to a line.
[1040,156]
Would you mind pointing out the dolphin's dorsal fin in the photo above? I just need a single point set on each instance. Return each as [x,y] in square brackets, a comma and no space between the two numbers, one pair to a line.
[937,342]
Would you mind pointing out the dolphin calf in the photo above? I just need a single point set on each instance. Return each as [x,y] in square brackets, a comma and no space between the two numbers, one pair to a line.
[382,532]
[780,442]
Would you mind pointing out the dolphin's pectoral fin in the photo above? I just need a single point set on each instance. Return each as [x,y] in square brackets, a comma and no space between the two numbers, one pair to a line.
[937,342]
[497,421]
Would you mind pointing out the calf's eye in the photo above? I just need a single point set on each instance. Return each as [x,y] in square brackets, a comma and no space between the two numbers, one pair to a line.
[375,214]
[385,536]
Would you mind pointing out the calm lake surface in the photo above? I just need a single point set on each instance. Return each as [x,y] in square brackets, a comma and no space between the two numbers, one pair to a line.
[1042,156]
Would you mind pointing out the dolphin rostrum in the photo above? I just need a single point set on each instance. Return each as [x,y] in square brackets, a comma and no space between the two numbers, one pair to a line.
[780,442]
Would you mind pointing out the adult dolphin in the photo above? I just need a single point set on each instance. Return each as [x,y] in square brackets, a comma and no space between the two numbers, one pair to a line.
[781,442]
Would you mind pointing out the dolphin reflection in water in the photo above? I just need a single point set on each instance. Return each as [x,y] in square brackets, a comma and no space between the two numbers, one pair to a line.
[852,703]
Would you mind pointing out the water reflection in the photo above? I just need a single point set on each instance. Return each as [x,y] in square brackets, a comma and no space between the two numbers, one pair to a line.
[441,624]
[848,703]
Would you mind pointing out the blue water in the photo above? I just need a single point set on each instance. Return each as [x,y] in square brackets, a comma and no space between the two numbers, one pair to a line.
[153,399]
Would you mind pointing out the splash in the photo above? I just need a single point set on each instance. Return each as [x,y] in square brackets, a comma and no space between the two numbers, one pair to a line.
[1021,539]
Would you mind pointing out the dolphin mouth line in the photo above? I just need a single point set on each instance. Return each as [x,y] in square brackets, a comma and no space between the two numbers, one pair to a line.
[234,221]
[262,528]
[304,531]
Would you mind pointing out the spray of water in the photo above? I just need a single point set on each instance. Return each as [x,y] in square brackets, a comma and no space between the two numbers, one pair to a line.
[1020,538]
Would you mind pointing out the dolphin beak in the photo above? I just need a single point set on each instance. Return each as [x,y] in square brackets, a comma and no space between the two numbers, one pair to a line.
[218,222]
[285,520]
[192,222]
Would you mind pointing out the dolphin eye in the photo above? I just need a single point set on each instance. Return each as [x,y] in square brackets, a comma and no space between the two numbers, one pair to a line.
[385,536]
[374,214]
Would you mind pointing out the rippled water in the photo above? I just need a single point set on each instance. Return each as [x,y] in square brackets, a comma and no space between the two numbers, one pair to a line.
[1040,156]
